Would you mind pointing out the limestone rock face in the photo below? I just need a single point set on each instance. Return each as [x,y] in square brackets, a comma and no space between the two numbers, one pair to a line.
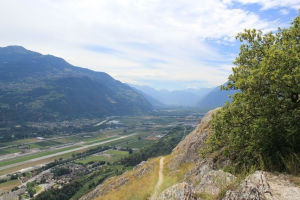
[207,180]
[180,191]
[281,187]
[214,181]
[264,186]
[251,189]
[187,149]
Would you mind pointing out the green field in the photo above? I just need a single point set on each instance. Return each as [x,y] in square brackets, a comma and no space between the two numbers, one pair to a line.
[116,152]
[9,184]
[47,143]
[69,139]
[4,144]
[116,155]
[139,143]
[89,159]
[100,140]
[8,151]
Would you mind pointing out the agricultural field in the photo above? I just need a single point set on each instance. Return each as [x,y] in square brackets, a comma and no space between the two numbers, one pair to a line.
[139,143]
[43,144]
[146,130]
[108,156]
[90,159]
[17,142]
[8,151]
[9,185]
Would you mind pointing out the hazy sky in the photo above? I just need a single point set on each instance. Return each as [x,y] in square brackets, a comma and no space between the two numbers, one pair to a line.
[171,44]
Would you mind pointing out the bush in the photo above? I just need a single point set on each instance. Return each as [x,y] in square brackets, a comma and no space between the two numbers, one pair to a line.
[260,127]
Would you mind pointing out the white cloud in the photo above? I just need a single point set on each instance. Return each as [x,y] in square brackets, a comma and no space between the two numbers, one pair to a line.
[284,11]
[177,32]
[269,4]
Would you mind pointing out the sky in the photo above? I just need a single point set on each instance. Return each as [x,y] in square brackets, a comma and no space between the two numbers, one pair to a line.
[164,44]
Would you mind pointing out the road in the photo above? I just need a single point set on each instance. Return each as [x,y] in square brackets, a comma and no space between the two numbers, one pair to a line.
[101,123]
[63,152]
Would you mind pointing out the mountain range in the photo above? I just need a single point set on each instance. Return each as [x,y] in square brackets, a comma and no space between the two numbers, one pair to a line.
[215,98]
[204,98]
[188,97]
[36,87]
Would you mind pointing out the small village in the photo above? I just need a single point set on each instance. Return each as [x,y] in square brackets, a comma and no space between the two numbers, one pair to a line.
[44,180]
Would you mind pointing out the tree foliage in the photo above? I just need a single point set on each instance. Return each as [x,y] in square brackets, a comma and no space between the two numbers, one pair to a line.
[260,127]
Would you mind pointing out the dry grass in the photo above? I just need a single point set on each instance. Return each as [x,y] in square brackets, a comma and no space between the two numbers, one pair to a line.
[176,176]
[295,180]
[151,138]
[7,186]
[136,188]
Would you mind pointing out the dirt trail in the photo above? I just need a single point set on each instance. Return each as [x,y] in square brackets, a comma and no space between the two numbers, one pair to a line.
[160,178]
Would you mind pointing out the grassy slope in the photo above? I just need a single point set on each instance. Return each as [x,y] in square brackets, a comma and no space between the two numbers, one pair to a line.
[142,188]
[137,188]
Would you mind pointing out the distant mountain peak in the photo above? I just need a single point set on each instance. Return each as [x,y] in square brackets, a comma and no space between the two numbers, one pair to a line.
[15,49]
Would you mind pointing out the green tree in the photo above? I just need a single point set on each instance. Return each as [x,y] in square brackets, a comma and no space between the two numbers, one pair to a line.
[14,177]
[130,151]
[261,126]
[31,192]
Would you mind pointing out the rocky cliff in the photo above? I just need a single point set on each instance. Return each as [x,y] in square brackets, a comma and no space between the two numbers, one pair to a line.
[186,176]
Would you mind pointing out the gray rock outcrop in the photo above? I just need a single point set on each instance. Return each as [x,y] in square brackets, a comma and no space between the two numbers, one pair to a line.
[180,191]
[187,150]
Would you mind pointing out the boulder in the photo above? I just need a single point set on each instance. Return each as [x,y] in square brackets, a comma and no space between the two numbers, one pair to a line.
[180,191]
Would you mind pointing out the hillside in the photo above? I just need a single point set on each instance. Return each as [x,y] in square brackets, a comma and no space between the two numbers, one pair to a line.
[200,92]
[185,175]
[36,87]
[154,102]
[215,98]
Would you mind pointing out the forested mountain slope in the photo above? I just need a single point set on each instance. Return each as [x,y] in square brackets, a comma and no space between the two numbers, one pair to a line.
[36,87]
